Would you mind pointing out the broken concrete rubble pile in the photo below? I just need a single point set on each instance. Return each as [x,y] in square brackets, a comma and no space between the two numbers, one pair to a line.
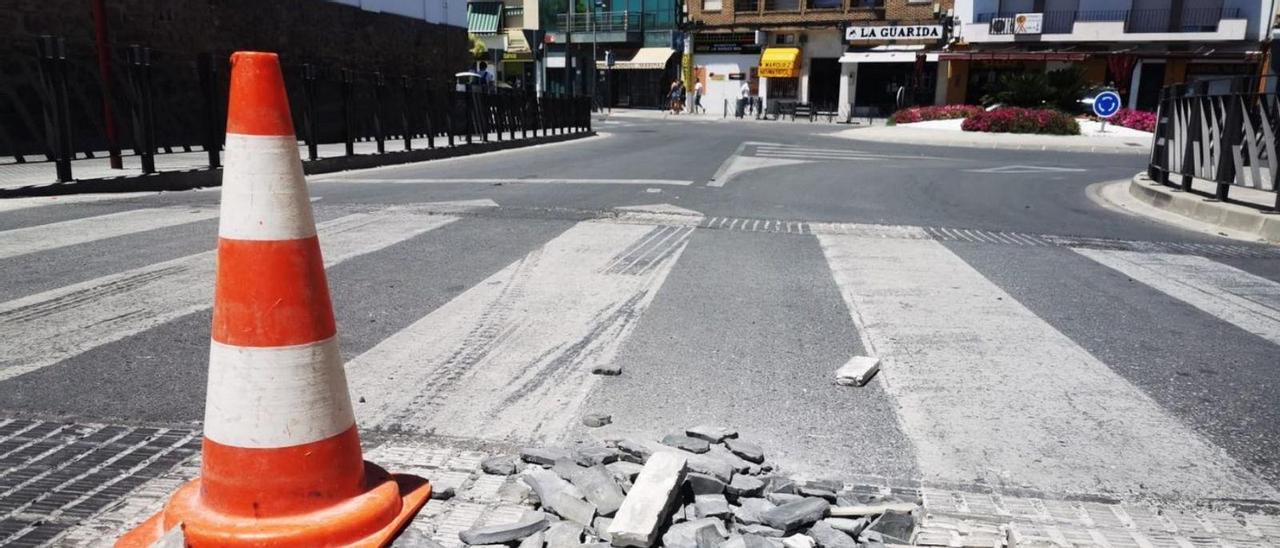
[703,488]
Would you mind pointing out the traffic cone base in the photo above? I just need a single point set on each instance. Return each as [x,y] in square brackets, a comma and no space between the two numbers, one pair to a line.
[369,520]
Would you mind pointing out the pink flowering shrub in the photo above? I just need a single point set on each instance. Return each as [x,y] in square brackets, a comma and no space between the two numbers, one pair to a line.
[942,112]
[1022,120]
[1140,120]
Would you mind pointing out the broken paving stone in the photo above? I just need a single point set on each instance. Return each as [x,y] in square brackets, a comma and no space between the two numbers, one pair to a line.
[851,527]
[445,493]
[692,445]
[571,508]
[545,456]
[828,537]
[737,463]
[502,465]
[515,492]
[710,433]
[598,486]
[708,537]
[684,535]
[782,498]
[535,540]
[711,506]
[530,523]
[826,484]
[591,456]
[799,541]
[745,486]
[600,527]
[746,450]
[564,534]
[858,371]
[896,527]
[795,515]
[817,491]
[637,450]
[760,530]
[757,541]
[702,484]
[596,420]
[710,466]
[650,501]
[779,484]
[607,369]
[624,469]
[750,510]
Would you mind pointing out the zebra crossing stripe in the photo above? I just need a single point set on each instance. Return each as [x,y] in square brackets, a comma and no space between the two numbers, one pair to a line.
[46,328]
[511,358]
[33,239]
[989,391]
[1249,302]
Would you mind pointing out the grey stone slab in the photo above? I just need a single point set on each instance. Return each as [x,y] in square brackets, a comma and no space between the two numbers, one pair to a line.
[536,540]
[851,527]
[596,420]
[624,469]
[598,486]
[638,451]
[795,515]
[501,465]
[545,482]
[739,464]
[684,535]
[826,484]
[650,501]
[687,443]
[782,498]
[544,456]
[759,541]
[413,538]
[828,537]
[567,469]
[571,508]
[517,492]
[745,486]
[702,484]
[894,526]
[816,491]
[591,456]
[711,433]
[708,537]
[600,528]
[735,541]
[746,450]
[564,534]
[711,506]
[749,510]
[779,484]
[760,530]
[799,541]
[530,523]
[710,466]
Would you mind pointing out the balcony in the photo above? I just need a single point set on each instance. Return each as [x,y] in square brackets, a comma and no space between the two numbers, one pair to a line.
[1115,25]
[1063,22]
[766,7]
[610,26]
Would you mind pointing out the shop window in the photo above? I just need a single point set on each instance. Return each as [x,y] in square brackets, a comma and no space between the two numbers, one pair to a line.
[784,39]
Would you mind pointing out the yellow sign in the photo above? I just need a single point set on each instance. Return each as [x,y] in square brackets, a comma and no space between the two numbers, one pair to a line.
[780,63]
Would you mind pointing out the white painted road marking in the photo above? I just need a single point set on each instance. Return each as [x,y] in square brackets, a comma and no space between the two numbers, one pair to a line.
[988,391]
[1016,170]
[499,180]
[46,328]
[32,239]
[511,358]
[1249,302]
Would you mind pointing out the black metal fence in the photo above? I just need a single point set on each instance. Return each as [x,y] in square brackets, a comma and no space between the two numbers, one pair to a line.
[1223,131]
[53,108]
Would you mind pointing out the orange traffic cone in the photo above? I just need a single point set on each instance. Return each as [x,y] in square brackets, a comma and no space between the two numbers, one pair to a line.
[282,460]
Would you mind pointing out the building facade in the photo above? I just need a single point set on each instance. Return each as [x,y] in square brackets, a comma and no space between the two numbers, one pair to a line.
[502,26]
[1136,46]
[838,55]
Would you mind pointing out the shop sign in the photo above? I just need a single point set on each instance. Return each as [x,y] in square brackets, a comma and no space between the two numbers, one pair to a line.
[737,76]
[734,42]
[1028,23]
[894,32]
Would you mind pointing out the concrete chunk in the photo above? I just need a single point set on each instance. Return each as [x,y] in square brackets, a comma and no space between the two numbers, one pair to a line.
[545,482]
[711,506]
[571,508]
[564,534]
[535,540]
[685,535]
[746,450]
[750,510]
[702,484]
[858,371]
[710,466]
[707,537]
[597,485]
[596,420]
[794,515]
[711,433]
[827,537]
[692,445]
[624,469]
[591,456]
[782,498]
[646,507]
[545,456]
[851,527]
[502,465]
[530,523]
[745,486]
[638,451]
[777,484]
[600,527]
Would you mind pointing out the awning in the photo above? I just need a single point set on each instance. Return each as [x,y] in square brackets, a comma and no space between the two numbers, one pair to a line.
[888,54]
[1014,56]
[516,42]
[780,63]
[644,59]
[484,17]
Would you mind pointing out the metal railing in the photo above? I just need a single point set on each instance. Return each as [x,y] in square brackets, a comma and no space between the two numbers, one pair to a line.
[168,102]
[1136,21]
[1223,131]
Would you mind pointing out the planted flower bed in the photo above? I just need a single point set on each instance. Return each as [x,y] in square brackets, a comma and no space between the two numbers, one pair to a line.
[1140,120]
[1022,120]
[925,114]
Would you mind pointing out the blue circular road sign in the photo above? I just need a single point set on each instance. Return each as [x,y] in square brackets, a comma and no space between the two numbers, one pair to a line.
[1106,104]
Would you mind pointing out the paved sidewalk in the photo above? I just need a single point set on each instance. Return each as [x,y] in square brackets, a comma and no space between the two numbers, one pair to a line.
[937,137]
[1232,219]
[952,516]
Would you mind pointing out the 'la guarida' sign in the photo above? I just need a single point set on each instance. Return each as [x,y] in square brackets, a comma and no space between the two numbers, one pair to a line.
[894,32]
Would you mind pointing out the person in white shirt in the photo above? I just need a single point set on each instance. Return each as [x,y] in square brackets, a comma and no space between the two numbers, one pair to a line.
[697,97]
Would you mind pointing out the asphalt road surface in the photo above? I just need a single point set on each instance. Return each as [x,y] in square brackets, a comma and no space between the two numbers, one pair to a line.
[1029,337]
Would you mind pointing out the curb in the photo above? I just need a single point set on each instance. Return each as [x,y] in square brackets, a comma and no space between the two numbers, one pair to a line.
[200,178]
[920,140]
[1265,226]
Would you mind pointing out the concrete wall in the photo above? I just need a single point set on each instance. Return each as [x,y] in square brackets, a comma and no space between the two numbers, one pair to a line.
[724,63]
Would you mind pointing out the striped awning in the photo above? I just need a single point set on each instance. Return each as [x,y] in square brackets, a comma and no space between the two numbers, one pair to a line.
[484,17]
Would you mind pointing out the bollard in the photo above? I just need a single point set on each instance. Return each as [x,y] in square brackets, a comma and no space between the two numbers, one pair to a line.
[143,116]
[406,125]
[57,113]
[378,86]
[209,92]
[348,132]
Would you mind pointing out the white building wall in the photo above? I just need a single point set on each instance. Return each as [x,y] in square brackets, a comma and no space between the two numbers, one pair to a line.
[723,64]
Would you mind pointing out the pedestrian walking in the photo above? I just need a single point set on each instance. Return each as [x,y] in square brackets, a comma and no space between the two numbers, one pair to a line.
[673,98]
[697,97]
[744,95]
